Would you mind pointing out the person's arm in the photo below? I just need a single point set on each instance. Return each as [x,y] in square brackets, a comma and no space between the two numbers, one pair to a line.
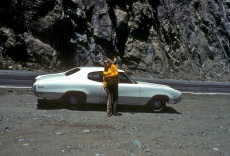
[114,71]
[104,80]
[105,85]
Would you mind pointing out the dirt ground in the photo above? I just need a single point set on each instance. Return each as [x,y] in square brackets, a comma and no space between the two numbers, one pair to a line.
[199,125]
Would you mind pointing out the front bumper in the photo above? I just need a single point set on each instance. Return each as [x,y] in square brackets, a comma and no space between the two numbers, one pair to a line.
[177,100]
[174,101]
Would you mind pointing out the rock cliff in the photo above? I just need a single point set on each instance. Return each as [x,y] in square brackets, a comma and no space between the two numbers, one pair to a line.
[172,39]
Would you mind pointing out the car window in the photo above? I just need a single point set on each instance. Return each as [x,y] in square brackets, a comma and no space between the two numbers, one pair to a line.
[124,78]
[95,76]
[72,71]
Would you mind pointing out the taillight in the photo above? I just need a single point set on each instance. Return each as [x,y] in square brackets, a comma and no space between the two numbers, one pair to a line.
[34,90]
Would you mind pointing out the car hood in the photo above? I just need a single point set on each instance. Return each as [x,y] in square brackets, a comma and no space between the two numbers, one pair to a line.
[152,84]
[49,76]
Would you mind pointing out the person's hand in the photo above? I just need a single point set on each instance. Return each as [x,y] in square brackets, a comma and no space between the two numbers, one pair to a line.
[106,90]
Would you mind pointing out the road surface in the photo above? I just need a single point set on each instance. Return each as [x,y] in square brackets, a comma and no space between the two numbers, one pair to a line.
[12,78]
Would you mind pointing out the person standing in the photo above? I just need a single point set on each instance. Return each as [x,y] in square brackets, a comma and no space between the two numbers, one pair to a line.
[110,81]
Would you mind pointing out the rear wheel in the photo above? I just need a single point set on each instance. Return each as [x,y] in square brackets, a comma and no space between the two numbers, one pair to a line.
[157,104]
[74,99]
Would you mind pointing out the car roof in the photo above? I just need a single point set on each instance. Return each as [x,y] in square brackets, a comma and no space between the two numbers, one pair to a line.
[95,69]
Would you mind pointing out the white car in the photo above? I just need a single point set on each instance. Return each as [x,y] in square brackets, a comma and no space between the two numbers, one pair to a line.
[84,85]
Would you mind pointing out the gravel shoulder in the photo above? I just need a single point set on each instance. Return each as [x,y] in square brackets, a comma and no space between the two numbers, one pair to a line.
[199,125]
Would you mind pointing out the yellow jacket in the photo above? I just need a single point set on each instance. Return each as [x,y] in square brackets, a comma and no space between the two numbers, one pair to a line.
[113,73]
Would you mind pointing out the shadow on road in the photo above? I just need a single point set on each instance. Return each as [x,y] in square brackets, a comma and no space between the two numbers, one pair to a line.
[58,104]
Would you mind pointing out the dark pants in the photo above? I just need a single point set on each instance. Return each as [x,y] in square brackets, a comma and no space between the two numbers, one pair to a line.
[112,99]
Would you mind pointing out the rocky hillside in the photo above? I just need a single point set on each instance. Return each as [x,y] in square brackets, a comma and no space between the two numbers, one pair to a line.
[173,39]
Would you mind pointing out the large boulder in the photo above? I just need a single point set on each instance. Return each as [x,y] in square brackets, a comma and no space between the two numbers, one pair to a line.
[40,53]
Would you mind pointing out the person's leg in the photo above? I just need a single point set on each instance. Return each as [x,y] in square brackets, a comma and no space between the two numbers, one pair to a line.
[109,103]
[115,98]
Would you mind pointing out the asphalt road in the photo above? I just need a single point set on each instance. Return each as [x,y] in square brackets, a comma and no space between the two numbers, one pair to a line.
[11,78]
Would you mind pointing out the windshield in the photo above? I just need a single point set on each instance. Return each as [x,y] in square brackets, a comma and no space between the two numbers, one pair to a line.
[124,78]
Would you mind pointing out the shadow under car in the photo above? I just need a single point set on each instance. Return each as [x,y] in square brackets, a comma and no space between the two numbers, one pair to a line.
[58,104]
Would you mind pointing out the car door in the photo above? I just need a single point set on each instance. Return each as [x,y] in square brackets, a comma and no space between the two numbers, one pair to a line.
[128,91]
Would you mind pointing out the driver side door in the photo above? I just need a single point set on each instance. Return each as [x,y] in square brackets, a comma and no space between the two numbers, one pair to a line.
[128,91]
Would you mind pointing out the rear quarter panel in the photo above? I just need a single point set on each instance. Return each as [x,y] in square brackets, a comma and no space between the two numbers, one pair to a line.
[56,88]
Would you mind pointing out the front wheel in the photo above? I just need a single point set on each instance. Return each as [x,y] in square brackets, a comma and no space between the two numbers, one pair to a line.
[157,104]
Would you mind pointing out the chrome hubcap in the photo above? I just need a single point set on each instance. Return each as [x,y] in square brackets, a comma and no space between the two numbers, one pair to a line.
[157,104]
[73,100]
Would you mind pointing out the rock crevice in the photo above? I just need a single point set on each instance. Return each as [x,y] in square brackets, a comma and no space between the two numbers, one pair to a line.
[182,39]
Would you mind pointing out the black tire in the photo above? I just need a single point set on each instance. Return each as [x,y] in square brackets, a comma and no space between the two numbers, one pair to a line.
[72,99]
[157,104]
[75,99]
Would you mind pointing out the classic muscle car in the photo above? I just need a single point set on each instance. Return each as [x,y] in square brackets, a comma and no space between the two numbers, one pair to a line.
[83,85]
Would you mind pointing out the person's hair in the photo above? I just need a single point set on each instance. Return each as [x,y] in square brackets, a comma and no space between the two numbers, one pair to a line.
[109,60]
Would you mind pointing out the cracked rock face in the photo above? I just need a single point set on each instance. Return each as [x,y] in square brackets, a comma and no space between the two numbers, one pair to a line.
[182,39]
